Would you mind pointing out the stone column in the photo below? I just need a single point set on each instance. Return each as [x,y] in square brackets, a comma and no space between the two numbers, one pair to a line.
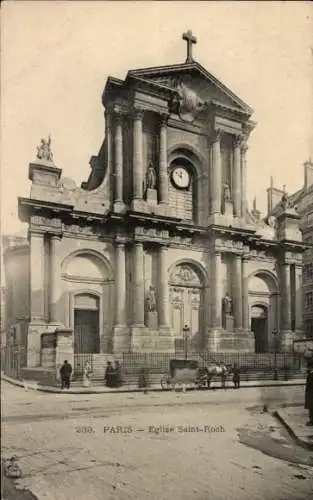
[243,176]
[236,177]
[137,156]
[120,285]
[163,177]
[285,297]
[37,277]
[216,311]
[245,294]
[118,159]
[216,174]
[108,156]
[138,282]
[55,279]
[163,289]
[237,291]
[299,298]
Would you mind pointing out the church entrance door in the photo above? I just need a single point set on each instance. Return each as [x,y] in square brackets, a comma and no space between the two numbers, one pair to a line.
[86,325]
[186,296]
[259,327]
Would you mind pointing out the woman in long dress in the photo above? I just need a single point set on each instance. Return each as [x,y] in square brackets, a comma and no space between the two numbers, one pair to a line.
[87,375]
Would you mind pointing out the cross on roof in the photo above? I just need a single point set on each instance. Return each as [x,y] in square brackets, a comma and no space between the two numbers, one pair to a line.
[190,39]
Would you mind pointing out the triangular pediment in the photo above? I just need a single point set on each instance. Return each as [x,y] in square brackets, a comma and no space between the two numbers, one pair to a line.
[195,78]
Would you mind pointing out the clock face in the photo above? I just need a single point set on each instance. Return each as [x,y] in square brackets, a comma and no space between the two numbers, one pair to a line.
[180,177]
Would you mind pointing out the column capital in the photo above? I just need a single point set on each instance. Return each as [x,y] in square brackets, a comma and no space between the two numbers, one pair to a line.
[215,136]
[137,113]
[120,244]
[238,140]
[164,119]
[36,232]
[244,147]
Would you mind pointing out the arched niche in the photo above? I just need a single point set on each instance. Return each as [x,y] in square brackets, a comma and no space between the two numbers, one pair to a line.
[185,203]
[263,308]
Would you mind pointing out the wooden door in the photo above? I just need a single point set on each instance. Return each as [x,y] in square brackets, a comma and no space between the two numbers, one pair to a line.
[86,328]
[186,310]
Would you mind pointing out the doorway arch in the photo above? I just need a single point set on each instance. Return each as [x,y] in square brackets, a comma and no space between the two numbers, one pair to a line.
[86,323]
[259,326]
[263,308]
[187,292]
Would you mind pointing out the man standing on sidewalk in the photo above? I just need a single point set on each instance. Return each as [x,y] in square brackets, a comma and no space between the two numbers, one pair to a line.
[65,374]
[309,392]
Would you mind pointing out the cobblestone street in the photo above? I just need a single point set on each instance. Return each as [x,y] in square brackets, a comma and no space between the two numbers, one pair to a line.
[139,448]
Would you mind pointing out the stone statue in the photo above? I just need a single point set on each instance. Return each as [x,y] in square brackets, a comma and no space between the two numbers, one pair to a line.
[44,150]
[151,179]
[227,304]
[151,300]
[227,195]
[285,202]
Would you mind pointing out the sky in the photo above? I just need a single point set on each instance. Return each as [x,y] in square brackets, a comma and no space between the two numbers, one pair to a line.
[56,57]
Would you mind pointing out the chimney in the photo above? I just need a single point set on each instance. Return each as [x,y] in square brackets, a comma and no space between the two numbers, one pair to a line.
[308,174]
[273,196]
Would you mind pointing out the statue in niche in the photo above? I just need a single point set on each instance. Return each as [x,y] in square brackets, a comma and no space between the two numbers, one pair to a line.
[227,195]
[151,300]
[151,178]
[44,150]
[227,305]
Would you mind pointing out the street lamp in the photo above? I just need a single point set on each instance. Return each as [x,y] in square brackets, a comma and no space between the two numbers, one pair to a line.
[275,333]
[186,331]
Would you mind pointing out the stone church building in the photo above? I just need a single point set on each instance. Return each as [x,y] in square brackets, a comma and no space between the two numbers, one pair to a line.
[159,238]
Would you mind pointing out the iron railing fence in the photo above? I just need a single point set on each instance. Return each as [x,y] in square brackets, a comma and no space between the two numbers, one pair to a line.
[15,359]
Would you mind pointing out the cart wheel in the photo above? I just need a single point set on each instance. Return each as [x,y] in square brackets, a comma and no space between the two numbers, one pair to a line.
[164,382]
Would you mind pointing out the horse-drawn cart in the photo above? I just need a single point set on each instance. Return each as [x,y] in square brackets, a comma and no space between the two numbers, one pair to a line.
[183,373]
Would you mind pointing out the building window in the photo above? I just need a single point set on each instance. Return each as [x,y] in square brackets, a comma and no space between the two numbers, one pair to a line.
[308,301]
[308,272]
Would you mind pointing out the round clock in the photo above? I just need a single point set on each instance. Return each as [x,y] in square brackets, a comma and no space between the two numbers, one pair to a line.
[180,177]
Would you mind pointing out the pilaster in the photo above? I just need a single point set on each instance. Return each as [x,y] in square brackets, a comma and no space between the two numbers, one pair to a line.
[243,176]
[236,176]
[163,289]
[245,294]
[163,176]
[120,329]
[37,277]
[237,290]
[119,174]
[216,174]
[55,279]
[137,158]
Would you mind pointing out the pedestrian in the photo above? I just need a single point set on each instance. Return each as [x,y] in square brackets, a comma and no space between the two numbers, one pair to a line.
[224,378]
[118,374]
[65,375]
[143,379]
[236,376]
[109,374]
[308,405]
[87,374]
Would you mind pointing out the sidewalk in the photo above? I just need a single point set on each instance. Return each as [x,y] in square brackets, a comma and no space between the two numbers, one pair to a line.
[294,420]
[32,385]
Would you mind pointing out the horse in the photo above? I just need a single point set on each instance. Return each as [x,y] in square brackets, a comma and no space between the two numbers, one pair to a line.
[215,369]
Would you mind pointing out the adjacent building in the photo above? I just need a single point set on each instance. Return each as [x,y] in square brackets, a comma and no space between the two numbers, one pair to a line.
[302,200]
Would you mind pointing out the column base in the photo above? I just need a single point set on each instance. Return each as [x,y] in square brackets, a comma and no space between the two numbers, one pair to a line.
[119,207]
[35,329]
[139,206]
[121,339]
[286,338]
[238,340]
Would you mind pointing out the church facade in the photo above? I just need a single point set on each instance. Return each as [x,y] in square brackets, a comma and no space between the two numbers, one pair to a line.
[159,243]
